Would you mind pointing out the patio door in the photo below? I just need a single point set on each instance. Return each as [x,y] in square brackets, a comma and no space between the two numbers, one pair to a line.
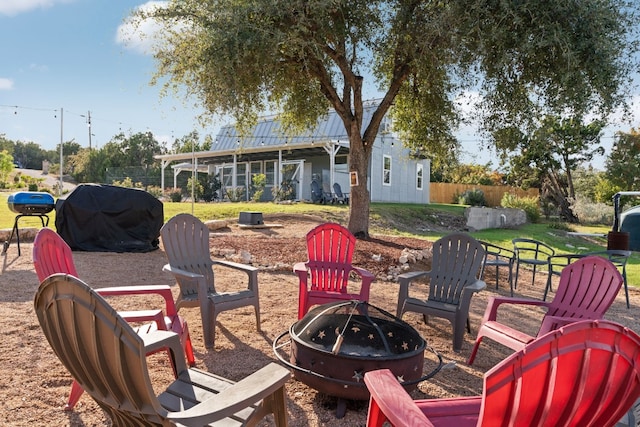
[291,179]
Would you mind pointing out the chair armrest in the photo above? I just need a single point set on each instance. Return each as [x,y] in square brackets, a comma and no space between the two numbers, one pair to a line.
[551,323]
[257,386]
[162,290]
[156,316]
[476,286]
[181,273]
[160,340]
[404,281]
[494,302]
[300,268]
[234,265]
[390,401]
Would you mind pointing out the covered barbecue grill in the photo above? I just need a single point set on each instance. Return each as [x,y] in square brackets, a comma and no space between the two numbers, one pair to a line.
[28,203]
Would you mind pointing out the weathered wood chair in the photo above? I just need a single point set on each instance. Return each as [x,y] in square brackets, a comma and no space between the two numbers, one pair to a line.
[51,255]
[186,242]
[324,277]
[106,356]
[586,290]
[453,279]
[584,374]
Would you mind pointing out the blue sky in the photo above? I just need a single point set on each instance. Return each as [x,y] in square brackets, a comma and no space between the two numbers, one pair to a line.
[66,54]
[69,55]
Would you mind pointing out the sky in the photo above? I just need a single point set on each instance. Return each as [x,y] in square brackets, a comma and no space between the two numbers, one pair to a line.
[65,61]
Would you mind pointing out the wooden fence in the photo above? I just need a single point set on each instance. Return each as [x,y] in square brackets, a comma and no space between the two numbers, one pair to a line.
[442,192]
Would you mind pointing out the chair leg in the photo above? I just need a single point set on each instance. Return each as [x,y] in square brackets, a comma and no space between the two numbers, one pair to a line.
[257,308]
[188,346]
[476,346]
[74,396]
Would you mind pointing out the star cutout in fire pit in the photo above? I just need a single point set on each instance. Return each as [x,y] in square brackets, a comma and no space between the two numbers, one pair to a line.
[357,376]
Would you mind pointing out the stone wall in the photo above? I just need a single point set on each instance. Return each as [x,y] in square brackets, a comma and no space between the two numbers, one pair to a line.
[480,218]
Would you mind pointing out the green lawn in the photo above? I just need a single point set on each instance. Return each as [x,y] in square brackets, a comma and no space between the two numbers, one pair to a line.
[387,218]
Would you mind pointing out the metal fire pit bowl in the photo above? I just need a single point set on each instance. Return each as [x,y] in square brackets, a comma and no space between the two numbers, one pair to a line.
[333,346]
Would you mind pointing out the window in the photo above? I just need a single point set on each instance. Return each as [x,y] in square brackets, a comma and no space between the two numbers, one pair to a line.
[386,170]
[419,173]
[256,169]
[241,174]
[270,172]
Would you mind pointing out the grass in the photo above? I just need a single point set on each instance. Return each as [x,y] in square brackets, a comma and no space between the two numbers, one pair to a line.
[385,218]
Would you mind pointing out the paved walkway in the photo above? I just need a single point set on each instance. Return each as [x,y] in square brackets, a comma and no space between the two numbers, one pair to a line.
[49,179]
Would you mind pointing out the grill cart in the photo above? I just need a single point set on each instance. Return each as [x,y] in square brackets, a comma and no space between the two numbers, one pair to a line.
[28,203]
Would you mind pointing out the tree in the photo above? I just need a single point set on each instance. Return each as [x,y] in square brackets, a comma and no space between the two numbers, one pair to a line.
[623,163]
[550,155]
[301,57]
[6,165]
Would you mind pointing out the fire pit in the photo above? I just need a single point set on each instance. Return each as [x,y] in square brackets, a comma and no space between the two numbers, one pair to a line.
[333,346]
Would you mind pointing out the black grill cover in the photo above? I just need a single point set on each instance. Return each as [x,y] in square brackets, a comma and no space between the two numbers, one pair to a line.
[105,218]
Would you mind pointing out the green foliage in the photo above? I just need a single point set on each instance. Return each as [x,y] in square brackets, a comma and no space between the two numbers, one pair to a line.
[258,184]
[194,188]
[528,204]
[623,163]
[300,58]
[6,165]
[549,154]
[127,183]
[236,194]
[589,212]
[471,197]
[175,195]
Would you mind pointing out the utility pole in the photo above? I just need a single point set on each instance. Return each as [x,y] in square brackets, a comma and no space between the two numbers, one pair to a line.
[61,144]
[89,125]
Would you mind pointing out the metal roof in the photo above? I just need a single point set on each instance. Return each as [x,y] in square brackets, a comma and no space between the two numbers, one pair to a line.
[267,137]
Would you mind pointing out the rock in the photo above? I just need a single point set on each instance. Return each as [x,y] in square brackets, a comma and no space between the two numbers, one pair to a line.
[215,224]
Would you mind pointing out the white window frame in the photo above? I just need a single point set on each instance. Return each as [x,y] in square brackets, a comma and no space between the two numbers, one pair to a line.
[386,173]
[419,176]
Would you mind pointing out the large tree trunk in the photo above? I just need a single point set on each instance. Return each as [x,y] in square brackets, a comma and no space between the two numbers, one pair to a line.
[360,197]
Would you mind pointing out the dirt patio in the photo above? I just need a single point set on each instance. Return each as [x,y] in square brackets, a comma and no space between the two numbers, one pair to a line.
[35,386]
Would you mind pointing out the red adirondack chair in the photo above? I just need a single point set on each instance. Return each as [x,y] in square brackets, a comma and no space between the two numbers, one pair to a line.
[584,374]
[586,290]
[324,277]
[51,254]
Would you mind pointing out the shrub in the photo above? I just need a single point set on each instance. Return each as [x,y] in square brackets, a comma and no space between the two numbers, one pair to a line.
[33,187]
[258,183]
[236,194]
[472,197]
[591,212]
[528,204]
[175,195]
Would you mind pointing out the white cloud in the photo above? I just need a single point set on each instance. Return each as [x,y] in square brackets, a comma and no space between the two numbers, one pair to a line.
[6,84]
[15,7]
[141,36]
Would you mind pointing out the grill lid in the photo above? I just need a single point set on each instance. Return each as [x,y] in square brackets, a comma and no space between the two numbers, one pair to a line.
[31,202]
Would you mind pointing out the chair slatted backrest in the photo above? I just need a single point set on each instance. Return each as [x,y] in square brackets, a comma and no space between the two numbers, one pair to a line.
[186,242]
[330,250]
[587,288]
[579,375]
[51,254]
[100,349]
[456,262]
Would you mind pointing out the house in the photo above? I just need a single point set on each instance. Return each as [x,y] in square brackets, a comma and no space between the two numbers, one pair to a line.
[291,162]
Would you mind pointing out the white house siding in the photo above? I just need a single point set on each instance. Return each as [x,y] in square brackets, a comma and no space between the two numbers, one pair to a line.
[267,144]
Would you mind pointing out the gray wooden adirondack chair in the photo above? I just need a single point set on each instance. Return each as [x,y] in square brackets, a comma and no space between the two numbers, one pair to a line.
[106,356]
[186,242]
[453,279]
